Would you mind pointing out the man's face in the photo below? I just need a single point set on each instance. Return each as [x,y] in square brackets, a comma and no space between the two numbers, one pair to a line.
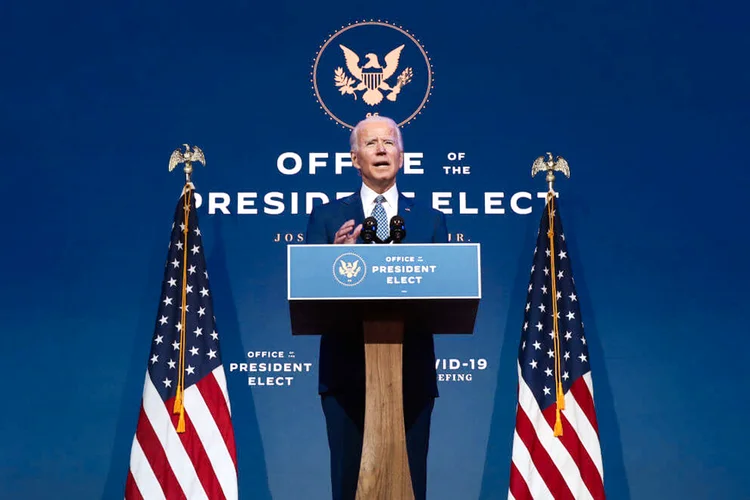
[378,157]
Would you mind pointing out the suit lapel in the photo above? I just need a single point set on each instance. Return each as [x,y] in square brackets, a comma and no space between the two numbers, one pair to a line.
[405,209]
[352,209]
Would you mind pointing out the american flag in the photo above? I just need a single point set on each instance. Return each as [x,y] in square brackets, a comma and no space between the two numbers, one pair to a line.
[189,452]
[556,451]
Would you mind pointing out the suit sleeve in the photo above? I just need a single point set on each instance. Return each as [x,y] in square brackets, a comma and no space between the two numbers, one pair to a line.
[440,234]
[316,233]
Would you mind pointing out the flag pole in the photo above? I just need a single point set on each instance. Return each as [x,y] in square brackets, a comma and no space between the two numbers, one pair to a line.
[550,166]
[187,157]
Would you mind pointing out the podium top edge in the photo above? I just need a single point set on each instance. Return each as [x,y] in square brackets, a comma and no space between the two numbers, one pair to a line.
[395,244]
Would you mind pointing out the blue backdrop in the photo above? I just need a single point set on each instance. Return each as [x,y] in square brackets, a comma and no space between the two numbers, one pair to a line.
[647,101]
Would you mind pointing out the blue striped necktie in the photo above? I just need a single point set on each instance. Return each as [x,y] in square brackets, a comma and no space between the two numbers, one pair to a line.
[379,213]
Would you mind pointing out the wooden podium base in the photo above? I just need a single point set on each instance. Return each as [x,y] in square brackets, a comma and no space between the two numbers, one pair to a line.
[384,469]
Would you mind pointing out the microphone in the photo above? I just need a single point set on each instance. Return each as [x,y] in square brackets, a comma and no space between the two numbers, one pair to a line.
[369,230]
[398,229]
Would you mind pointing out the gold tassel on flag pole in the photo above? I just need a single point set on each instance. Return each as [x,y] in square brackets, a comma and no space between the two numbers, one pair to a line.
[187,157]
[549,165]
[179,397]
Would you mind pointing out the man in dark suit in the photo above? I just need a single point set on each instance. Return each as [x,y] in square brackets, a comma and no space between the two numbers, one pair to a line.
[377,153]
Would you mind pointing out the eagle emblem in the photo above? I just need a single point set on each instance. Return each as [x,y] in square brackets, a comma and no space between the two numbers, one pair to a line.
[371,77]
[540,165]
[550,166]
[349,269]
[187,157]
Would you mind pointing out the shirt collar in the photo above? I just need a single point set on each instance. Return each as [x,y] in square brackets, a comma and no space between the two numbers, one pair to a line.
[368,196]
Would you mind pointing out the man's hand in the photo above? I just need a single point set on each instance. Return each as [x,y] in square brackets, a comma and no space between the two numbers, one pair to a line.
[345,235]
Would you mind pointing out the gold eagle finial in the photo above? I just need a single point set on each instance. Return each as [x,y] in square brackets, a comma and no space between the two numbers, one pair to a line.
[187,157]
[550,165]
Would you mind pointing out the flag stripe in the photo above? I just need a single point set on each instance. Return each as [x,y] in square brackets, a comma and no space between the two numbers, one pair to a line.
[145,477]
[211,390]
[131,489]
[578,453]
[161,419]
[545,465]
[527,470]
[552,446]
[586,432]
[156,460]
[585,398]
[221,381]
[519,490]
[221,467]
[592,480]
[197,453]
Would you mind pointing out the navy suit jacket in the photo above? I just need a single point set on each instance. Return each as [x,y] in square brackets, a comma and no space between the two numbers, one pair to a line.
[342,357]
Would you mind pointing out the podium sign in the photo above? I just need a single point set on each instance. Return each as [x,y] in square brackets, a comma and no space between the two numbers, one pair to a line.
[331,288]
[387,272]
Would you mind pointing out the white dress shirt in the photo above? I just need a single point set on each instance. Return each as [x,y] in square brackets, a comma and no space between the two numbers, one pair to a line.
[390,204]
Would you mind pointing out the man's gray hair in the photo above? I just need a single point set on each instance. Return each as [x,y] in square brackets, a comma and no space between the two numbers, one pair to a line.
[353,142]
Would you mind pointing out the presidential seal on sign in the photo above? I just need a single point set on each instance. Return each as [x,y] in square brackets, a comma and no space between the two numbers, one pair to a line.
[349,269]
[372,68]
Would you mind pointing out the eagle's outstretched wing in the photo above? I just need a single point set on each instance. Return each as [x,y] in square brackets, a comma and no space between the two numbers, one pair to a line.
[538,166]
[391,62]
[354,269]
[352,62]
[198,155]
[562,166]
[342,269]
[175,159]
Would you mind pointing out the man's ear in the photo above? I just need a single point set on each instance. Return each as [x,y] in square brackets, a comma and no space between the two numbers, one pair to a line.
[401,160]
[355,160]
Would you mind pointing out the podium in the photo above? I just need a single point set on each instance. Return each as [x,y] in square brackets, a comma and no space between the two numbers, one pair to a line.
[336,289]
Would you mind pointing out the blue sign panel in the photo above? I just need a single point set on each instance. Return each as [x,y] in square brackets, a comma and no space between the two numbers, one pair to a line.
[423,271]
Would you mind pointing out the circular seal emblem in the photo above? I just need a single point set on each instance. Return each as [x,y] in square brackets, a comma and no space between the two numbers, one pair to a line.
[349,269]
[372,68]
